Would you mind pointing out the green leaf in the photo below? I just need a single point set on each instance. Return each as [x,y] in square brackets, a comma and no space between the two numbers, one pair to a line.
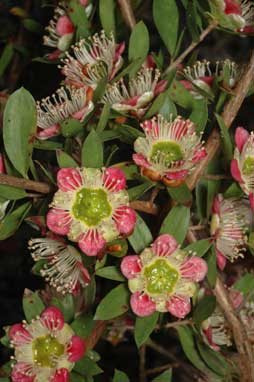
[71,127]
[166,19]
[83,325]
[212,268]
[12,193]
[144,326]
[245,284]
[117,248]
[19,129]
[103,118]
[136,192]
[12,221]
[139,43]
[168,108]
[204,309]
[47,145]
[87,367]
[166,376]
[32,304]
[111,273]
[199,248]
[79,19]
[141,236]
[156,106]
[65,160]
[6,57]
[180,95]
[176,223]
[92,151]
[107,15]
[114,304]
[66,305]
[214,360]
[199,114]
[128,134]
[180,194]
[120,376]
[33,26]
[227,145]
[233,191]
[89,293]
[188,346]
[75,377]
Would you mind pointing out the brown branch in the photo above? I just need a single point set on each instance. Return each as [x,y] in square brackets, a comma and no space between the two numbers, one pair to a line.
[159,369]
[26,184]
[127,13]
[176,324]
[192,46]
[149,208]
[142,364]
[96,334]
[229,114]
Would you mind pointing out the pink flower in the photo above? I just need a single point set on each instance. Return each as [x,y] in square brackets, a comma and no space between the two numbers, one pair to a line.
[170,149]
[66,103]
[242,165]
[63,269]
[2,165]
[91,207]
[163,278]
[236,15]
[136,97]
[46,349]
[230,220]
[92,60]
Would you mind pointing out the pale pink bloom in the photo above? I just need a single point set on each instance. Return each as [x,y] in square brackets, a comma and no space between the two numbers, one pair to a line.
[135,97]
[63,269]
[46,349]
[236,15]
[2,165]
[163,278]
[170,149]
[64,104]
[91,60]
[242,165]
[91,207]
[230,220]
[199,78]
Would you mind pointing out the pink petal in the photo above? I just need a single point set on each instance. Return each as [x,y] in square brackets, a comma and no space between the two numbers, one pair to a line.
[54,55]
[61,375]
[119,50]
[59,221]
[83,2]
[2,166]
[164,245]
[125,219]
[76,348]
[209,335]
[50,132]
[20,371]
[241,137]
[207,80]
[64,26]
[69,179]
[236,297]
[179,306]
[151,127]
[160,87]
[221,260]
[251,198]
[19,335]
[149,62]
[142,305]
[187,84]
[92,243]
[194,269]
[216,205]
[52,318]
[140,160]
[199,155]
[84,272]
[130,266]
[114,179]
[235,171]
[175,175]
[232,7]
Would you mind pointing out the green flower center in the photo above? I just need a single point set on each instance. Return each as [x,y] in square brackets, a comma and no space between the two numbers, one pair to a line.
[45,350]
[91,206]
[248,166]
[167,152]
[160,277]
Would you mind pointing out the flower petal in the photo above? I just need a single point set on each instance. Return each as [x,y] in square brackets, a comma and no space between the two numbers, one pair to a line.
[61,375]
[221,260]
[140,160]
[194,269]
[21,372]
[64,26]
[235,171]
[19,335]
[92,243]
[160,87]
[2,166]
[251,198]
[125,218]
[164,245]
[176,174]
[59,221]
[76,349]
[130,266]
[69,179]
[114,179]
[142,305]
[52,318]
[50,132]
[241,137]
[199,155]
[179,306]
